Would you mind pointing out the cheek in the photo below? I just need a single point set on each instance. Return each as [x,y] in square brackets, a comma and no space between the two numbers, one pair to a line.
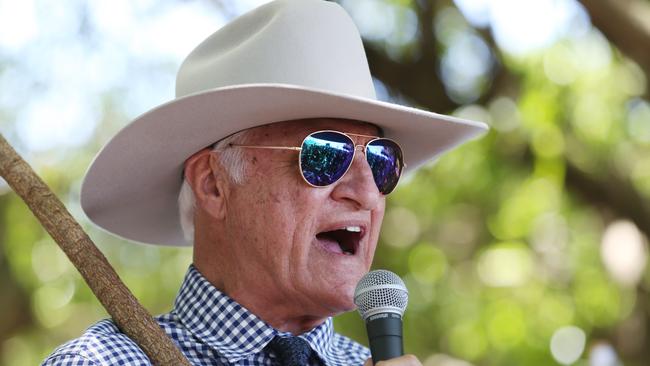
[377,219]
[377,215]
[274,213]
[276,205]
[253,211]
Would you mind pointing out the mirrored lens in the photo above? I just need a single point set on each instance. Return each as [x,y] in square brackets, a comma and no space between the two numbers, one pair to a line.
[325,156]
[386,162]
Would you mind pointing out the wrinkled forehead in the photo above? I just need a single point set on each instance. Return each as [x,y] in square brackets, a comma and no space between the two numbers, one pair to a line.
[298,129]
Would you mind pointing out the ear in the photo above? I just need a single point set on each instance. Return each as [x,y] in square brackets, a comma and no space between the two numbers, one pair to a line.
[207,179]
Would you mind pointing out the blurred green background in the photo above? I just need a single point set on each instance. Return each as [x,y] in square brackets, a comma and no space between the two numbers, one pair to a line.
[526,247]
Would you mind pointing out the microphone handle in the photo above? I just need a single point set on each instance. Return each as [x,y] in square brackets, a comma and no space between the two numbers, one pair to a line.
[385,336]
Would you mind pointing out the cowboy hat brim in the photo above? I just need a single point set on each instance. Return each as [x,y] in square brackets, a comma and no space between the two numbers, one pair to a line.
[131,188]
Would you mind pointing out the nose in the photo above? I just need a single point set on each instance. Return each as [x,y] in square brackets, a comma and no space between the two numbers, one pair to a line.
[358,186]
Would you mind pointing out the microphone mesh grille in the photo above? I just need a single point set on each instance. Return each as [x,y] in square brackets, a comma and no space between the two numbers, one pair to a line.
[379,290]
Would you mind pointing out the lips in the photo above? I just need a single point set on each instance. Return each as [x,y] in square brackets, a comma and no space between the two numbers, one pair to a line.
[345,240]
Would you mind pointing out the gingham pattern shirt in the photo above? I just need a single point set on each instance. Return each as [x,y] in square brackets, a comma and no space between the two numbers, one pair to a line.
[210,328]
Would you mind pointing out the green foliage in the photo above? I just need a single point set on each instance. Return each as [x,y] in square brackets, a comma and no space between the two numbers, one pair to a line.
[498,245]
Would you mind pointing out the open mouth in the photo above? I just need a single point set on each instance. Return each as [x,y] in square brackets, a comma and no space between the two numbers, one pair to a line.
[342,241]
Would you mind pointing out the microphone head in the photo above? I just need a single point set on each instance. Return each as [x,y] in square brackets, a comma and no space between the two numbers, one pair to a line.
[380,291]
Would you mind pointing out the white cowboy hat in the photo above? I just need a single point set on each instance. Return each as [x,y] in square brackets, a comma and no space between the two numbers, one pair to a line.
[286,60]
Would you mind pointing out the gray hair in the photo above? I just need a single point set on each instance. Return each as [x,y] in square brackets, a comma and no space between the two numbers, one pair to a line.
[234,164]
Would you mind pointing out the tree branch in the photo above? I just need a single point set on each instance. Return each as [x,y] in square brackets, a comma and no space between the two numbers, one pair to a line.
[616,194]
[626,23]
[417,80]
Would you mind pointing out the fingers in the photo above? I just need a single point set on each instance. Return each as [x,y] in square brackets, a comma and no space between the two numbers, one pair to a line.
[406,360]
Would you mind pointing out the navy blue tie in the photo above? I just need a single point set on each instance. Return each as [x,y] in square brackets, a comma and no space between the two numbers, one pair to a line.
[291,351]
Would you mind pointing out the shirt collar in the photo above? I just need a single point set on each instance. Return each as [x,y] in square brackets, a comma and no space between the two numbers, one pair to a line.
[228,327]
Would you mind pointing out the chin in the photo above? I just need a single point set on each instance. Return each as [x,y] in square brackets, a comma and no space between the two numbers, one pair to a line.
[335,290]
[342,300]
[340,307]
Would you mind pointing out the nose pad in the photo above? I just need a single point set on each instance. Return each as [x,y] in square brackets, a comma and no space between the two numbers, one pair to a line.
[363,150]
[362,157]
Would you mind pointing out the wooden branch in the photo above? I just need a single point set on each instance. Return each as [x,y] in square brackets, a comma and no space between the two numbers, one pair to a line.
[612,194]
[417,80]
[128,314]
[615,193]
[428,48]
[626,23]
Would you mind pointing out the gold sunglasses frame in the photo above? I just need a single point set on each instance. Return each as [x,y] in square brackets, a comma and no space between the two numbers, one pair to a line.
[354,153]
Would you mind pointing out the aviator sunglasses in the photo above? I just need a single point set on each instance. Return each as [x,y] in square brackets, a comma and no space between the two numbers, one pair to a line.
[325,157]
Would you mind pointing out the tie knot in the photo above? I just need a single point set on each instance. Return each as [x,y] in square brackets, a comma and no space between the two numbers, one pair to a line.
[291,351]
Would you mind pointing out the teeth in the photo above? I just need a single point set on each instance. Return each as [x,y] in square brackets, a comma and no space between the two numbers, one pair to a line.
[354,229]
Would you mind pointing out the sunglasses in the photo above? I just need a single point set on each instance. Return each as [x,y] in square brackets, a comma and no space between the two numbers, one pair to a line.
[325,157]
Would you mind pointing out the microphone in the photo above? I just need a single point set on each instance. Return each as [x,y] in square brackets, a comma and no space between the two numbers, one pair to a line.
[381,299]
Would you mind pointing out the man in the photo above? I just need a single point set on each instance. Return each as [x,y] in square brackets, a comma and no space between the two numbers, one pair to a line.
[283,211]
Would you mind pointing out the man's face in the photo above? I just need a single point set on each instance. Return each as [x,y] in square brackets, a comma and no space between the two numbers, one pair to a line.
[295,243]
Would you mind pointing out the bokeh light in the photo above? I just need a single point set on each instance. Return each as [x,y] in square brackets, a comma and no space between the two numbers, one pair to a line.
[526,247]
[427,263]
[465,65]
[444,360]
[624,252]
[467,340]
[400,228]
[506,324]
[603,354]
[525,26]
[504,265]
[638,117]
[567,344]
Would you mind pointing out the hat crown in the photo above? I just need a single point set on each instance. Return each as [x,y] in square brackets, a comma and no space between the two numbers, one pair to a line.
[309,43]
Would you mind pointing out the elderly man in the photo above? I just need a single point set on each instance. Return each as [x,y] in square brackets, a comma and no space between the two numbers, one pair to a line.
[283,211]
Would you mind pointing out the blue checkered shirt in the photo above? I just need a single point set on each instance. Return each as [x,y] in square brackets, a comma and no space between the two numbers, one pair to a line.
[210,328]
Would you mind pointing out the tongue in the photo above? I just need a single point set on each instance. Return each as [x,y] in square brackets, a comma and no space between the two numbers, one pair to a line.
[330,244]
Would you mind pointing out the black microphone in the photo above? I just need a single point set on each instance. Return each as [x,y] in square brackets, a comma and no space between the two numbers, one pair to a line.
[381,298]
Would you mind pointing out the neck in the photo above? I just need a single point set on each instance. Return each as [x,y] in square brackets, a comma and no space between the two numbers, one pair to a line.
[276,316]
[252,288]
[273,311]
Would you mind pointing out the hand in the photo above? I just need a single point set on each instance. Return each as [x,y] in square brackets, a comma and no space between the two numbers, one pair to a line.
[406,360]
